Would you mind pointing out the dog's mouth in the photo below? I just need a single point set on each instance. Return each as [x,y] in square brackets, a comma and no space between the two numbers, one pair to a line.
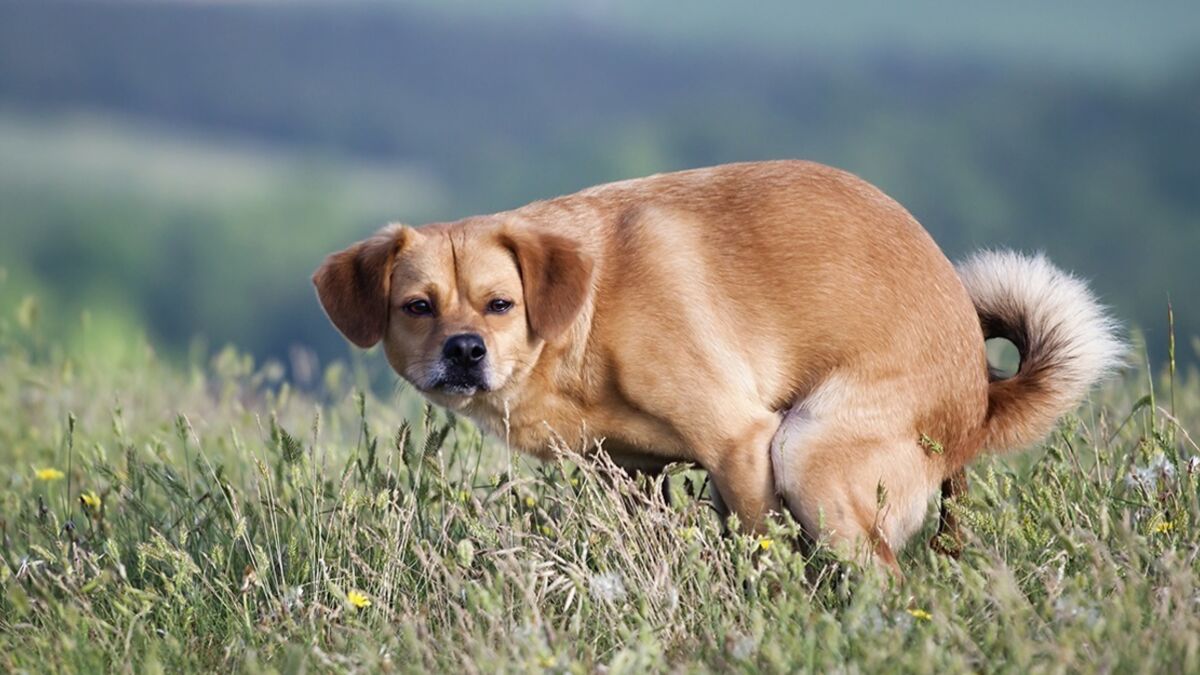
[457,389]
[456,382]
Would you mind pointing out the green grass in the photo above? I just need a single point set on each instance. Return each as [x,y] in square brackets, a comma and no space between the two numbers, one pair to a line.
[237,516]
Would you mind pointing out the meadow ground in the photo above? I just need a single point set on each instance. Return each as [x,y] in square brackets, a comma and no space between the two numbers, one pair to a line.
[158,517]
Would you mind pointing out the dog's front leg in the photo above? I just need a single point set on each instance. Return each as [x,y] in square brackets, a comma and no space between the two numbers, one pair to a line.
[741,472]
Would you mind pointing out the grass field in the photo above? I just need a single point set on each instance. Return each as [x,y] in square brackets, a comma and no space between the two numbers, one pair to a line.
[158,517]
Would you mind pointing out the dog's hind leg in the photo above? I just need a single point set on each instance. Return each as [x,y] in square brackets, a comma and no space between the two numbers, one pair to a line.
[948,538]
[850,481]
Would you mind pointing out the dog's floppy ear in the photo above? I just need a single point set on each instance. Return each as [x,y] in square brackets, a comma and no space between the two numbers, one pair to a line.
[353,285]
[556,275]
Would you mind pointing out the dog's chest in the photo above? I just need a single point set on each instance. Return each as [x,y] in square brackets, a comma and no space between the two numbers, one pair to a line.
[543,424]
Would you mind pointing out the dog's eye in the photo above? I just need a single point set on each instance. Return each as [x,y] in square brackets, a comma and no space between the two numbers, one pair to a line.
[499,306]
[418,308]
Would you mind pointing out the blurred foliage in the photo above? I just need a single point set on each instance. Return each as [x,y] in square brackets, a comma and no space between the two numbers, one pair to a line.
[182,167]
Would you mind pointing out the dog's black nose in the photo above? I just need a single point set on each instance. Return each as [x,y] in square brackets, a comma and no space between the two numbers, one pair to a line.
[464,350]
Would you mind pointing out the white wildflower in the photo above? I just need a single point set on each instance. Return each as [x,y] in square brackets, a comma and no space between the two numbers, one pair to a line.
[293,600]
[743,647]
[608,587]
[1159,468]
[1067,610]
[672,599]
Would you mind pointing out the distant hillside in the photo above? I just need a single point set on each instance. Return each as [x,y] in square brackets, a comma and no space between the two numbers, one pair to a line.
[1100,37]
[1100,172]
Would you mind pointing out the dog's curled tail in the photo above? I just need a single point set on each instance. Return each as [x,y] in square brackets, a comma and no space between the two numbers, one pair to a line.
[1066,340]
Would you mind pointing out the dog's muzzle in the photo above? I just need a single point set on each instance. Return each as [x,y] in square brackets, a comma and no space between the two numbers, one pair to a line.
[463,365]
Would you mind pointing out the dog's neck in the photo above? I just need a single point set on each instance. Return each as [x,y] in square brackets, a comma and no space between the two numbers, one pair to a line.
[544,401]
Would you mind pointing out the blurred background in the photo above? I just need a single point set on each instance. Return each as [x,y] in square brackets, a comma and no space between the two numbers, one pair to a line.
[176,169]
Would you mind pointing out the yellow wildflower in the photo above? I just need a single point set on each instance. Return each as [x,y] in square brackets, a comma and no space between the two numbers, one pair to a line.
[765,543]
[91,501]
[1163,527]
[358,599]
[530,501]
[546,531]
[49,474]
[920,615]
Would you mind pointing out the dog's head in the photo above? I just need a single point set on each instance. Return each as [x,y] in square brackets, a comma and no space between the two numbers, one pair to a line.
[462,309]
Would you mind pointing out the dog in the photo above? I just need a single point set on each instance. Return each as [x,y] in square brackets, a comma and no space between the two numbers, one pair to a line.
[784,325]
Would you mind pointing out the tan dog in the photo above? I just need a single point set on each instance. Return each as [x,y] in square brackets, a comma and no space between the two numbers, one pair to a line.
[784,325]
